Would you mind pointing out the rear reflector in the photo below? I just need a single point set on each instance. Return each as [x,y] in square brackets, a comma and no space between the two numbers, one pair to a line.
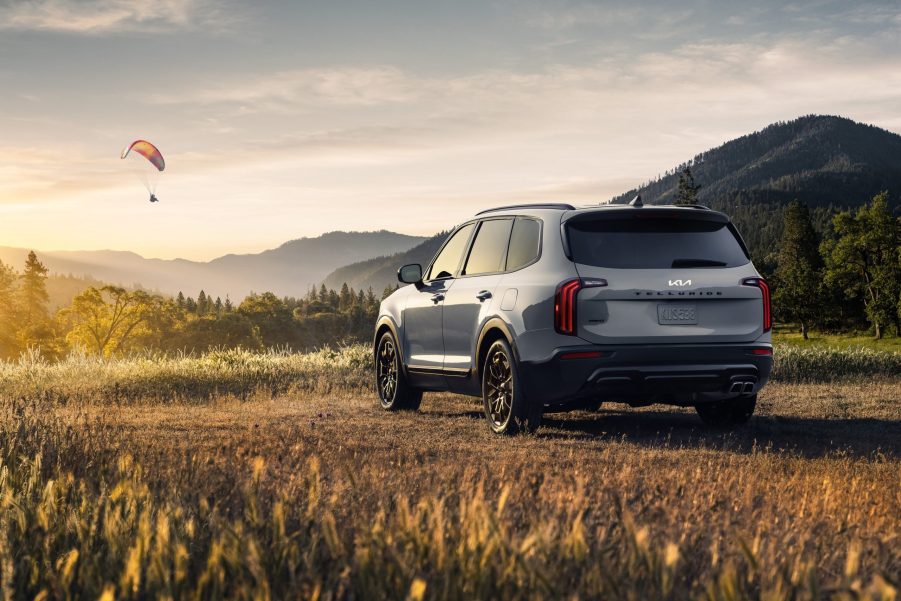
[582,355]
[762,351]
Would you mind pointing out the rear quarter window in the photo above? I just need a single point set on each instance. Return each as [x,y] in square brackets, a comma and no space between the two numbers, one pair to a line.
[524,243]
[655,244]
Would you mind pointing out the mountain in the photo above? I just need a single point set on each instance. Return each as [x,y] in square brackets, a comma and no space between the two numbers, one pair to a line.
[828,162]
[380,272]
[819,160]
[288,270]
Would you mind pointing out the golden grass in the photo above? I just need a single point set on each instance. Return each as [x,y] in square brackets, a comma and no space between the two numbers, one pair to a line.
[322,495]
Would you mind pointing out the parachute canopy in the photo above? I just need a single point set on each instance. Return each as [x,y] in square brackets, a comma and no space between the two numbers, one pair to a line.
[148,151]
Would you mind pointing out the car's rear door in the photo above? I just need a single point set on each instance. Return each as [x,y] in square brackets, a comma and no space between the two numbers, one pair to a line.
[468,301]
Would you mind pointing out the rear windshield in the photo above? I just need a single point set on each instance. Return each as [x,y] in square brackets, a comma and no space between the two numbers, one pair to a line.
[654,244]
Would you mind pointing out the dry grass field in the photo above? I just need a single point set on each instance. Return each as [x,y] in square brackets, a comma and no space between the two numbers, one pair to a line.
[314,492]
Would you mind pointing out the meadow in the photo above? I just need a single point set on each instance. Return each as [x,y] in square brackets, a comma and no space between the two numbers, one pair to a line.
[276,475]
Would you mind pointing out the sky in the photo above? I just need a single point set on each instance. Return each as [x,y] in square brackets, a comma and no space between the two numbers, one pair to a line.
[284,119]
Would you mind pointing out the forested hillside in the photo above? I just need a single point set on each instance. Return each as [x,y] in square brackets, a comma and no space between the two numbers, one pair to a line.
[382,271]
[826,162]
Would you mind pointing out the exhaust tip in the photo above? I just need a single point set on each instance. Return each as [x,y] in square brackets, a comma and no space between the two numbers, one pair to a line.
[736,387]
[748,387]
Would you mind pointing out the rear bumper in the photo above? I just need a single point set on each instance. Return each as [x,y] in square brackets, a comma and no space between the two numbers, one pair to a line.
[639,374]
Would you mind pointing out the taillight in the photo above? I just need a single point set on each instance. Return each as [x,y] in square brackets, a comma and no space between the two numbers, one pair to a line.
[565,303]
[765,293]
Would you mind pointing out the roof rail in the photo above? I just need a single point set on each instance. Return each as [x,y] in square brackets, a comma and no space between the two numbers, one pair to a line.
[703,207]
[551,205]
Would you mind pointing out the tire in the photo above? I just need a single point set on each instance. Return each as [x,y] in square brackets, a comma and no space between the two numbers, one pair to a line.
[506,406]
[395,393]
[727,414]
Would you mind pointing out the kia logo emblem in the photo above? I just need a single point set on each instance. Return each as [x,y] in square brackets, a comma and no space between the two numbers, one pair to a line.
[680,282]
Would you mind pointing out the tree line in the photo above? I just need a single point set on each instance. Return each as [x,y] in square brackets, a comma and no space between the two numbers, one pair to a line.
[840,274]
[112,320]
[847,277]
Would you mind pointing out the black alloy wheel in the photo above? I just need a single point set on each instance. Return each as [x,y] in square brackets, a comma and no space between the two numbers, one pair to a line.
[394,391]
[507,409]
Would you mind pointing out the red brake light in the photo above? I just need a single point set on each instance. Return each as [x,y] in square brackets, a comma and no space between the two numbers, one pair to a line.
[565,306]
[565,303]
[765,292]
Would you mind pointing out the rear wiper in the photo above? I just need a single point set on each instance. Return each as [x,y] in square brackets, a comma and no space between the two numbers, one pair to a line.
[697,263]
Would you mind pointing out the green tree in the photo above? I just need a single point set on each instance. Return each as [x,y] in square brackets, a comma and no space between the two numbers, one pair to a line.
[345,298]
[106,319]
[799,271]
[687,190]
[271,318]
[8,345]
[34,328]
[862,258]
[203,304]
[34,291]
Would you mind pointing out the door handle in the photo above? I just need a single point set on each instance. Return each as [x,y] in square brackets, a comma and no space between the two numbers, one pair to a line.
[483,295]
[437,298]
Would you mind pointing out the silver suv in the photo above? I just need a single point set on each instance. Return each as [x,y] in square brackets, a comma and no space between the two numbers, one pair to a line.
[540,308]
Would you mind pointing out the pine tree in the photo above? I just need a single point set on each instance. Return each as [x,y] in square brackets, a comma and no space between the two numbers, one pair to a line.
[8,346]
[203,304]
[34,291]
[345,298]
[799,272]
[687,190]
[180,300]
[229,307]
[218,306]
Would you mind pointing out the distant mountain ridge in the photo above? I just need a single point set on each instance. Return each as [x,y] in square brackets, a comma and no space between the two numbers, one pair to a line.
[288,270]
[820,160]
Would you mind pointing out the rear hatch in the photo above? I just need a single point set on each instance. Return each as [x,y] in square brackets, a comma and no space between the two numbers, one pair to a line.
[672,276]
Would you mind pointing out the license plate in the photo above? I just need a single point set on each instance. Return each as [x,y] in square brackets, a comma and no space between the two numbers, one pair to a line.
[678,315]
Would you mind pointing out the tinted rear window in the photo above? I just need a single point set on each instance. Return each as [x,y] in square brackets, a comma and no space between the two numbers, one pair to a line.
[524,242]
[654,244]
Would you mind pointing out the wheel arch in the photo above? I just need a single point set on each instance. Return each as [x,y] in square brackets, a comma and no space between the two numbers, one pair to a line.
[493,329]
[386,324]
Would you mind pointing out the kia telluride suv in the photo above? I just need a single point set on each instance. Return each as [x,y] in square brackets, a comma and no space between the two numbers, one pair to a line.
[546,307]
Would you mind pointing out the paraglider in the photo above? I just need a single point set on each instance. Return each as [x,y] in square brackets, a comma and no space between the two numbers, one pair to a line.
[147,161]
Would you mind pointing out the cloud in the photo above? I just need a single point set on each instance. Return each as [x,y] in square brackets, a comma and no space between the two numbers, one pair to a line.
[335,86]
[94,17]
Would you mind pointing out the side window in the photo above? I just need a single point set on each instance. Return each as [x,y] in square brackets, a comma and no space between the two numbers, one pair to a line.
[524,243]
[447,261]
[489,248]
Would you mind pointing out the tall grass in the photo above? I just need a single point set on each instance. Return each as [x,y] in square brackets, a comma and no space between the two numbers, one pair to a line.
[82,377]
[831,364]
[64,537]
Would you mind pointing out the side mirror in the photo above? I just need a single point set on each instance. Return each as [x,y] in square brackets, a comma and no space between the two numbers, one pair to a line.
[410,274]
